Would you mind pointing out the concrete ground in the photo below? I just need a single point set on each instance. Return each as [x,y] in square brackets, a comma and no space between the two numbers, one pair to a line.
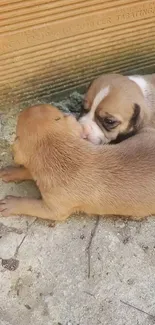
[86,271]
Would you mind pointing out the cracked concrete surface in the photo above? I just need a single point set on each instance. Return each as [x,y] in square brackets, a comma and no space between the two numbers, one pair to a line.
[44,268]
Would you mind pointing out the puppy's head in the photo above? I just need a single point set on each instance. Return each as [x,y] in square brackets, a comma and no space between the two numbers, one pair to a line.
[114,109]
[36,124]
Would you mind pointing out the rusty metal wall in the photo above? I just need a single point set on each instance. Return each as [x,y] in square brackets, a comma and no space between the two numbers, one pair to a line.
[51,46]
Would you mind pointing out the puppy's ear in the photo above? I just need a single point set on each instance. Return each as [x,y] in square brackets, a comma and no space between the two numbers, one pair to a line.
[135,119]
[86,102]
[89,85]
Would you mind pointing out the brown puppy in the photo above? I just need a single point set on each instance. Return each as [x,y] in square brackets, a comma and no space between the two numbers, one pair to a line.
[116,107]
[75,175]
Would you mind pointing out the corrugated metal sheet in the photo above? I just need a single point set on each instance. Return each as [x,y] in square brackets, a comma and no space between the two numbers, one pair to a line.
[50,46]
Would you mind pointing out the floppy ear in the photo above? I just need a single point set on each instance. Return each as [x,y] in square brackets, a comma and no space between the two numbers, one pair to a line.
[86,103]
[84,108]
[135,119]
[89,85]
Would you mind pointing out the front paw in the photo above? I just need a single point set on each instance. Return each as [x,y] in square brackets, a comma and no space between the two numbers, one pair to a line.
[8,205]
[8,174]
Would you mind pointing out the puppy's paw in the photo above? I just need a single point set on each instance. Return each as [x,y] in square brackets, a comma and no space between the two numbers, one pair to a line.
[8,174]
[8,205]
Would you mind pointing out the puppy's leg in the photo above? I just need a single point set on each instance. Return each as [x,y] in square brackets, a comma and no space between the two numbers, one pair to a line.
[15,174]
[31,207]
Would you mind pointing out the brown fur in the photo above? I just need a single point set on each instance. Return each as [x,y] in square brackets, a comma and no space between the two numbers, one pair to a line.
[120,106]
[74,175]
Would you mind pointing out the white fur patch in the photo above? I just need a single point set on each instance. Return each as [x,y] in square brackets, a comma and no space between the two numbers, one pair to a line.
[91,130]
[141,82]
[99,97]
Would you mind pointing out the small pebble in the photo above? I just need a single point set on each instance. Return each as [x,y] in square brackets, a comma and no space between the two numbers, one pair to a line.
[28,307]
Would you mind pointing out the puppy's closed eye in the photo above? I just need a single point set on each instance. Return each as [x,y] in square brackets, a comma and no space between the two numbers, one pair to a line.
[108,123]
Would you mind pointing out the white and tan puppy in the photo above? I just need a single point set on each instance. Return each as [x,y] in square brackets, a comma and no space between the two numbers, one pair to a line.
[117,107]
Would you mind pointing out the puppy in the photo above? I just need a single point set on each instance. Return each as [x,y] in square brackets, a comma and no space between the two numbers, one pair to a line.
[117,107]
[74,175]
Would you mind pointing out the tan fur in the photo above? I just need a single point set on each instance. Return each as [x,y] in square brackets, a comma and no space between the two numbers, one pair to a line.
[119,104]
[74,175]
